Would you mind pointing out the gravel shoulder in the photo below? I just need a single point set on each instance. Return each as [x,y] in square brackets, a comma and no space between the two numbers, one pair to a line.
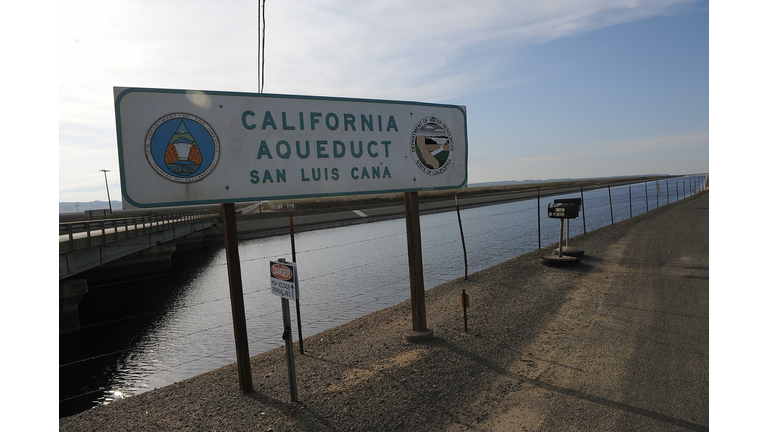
[619,342]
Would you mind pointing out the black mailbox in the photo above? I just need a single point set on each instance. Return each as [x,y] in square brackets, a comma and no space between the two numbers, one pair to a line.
[564,208]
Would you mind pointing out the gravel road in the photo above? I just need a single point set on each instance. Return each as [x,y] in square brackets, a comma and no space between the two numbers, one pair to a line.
[617,343]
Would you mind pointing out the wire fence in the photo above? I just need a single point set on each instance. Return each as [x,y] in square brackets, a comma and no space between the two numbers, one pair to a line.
[333,264]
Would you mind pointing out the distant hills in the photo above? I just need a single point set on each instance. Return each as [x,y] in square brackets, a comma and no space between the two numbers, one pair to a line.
[516,182]
[79,207]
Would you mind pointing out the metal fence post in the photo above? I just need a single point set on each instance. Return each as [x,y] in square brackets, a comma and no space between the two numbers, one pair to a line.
[646,196]
[610,203]
[583,216]
[463,244]
[538,211]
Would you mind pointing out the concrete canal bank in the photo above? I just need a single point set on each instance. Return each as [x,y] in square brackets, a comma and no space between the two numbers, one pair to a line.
[620,342]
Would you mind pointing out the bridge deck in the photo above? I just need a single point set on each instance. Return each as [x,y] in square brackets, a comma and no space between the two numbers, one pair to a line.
[88,244]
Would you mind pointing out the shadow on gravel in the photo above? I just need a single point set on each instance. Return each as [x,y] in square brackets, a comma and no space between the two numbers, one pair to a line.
[328,361]
[303,416]
[588,259]
[584,266]
[483,362]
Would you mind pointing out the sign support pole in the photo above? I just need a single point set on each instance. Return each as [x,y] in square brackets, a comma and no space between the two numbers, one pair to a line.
[415,270]
[236,297]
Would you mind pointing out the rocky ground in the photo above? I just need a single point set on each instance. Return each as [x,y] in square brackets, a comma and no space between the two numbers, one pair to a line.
[619,342]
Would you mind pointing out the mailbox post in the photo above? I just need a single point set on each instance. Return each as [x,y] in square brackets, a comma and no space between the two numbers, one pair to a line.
[563,209]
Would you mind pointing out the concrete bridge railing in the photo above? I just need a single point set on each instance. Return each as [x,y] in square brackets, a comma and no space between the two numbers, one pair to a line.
[87,234]
[88,244]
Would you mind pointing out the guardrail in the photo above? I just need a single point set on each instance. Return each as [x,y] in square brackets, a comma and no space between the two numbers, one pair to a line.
[86,234]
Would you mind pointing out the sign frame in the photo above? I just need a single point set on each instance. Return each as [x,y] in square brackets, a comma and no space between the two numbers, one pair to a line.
[357,146]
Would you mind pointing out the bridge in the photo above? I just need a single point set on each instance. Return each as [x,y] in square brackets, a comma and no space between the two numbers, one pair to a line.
[86,245]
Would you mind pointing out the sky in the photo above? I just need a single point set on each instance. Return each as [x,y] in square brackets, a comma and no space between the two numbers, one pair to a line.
[555,89]
[552,89]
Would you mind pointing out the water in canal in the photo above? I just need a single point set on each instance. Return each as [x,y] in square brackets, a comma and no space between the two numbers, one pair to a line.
[152,331]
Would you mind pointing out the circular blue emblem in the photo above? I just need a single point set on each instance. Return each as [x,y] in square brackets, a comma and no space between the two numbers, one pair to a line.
[182,147]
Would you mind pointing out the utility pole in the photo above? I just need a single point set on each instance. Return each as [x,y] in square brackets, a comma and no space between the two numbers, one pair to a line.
[109,201]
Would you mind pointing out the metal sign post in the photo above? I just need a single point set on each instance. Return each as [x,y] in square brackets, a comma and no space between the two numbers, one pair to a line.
[461,232]
[288,337]
[285,283]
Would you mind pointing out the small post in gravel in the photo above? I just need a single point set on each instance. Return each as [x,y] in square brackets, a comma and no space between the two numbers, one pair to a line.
[465,305]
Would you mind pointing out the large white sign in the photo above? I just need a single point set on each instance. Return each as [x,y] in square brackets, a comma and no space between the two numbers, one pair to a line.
[181,147]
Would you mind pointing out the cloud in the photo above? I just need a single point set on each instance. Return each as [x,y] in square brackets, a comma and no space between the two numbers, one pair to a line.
[428,51]
[391,49]
[379,49]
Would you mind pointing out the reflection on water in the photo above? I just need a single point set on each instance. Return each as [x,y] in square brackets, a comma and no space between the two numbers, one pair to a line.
[153,331]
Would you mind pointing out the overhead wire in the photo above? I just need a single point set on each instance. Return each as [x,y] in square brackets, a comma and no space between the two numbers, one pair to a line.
[261,45]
